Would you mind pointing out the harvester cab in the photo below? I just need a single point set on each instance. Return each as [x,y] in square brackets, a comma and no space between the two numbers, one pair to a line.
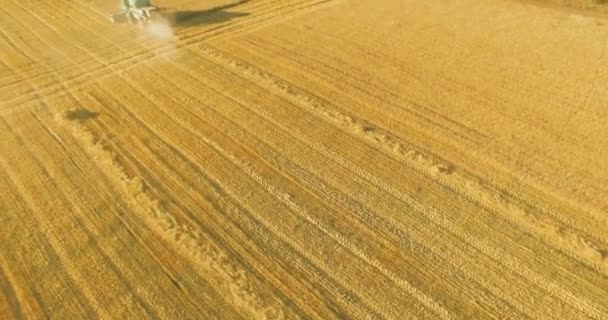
[134,11]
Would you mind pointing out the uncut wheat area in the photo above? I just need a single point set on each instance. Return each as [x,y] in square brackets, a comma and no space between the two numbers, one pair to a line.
[304,159]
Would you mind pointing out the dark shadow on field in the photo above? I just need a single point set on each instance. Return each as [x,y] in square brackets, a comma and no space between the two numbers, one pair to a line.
[201,17]
[80,114]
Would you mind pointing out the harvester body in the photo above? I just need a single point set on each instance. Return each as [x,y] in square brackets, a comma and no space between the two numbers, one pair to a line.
[134,11]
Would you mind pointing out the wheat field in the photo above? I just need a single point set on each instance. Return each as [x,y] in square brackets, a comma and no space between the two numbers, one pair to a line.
[297,159]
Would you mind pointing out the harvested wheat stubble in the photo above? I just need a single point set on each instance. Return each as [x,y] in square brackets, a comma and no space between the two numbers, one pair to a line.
[291,159]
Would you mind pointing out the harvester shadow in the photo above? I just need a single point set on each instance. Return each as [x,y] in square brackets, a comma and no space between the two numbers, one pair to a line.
[81,114]
[207,16]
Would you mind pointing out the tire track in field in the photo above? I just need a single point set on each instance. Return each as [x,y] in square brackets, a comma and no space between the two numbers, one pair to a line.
[62,82]
[174,156]
[132,61]
[276,124]
[309,6]
[468,186]
[26,64]
[261,50]
[584,305]
[301,211]
[262,118]
[108,194]
[146,97]
[33,298]
[194,39]
[598,253]
[76,276]
[144,296]
[387,227]
[17,72]
[427,301]
[498,256]
[399,106]
[141,300]
[505,152]
[8,288]
[143,171]
[39,95]
[61,87]
[55,29]
[185,237]
[210,232]
[186,101]
[371,89]
[169,168]
[362,130]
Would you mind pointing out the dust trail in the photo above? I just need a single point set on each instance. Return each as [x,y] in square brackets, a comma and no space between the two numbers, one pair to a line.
[159,30]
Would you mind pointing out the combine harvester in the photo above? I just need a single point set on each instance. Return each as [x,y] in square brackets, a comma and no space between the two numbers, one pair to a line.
[134,11]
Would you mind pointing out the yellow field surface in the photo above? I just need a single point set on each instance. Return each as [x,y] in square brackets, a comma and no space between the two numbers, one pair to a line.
[294,159]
